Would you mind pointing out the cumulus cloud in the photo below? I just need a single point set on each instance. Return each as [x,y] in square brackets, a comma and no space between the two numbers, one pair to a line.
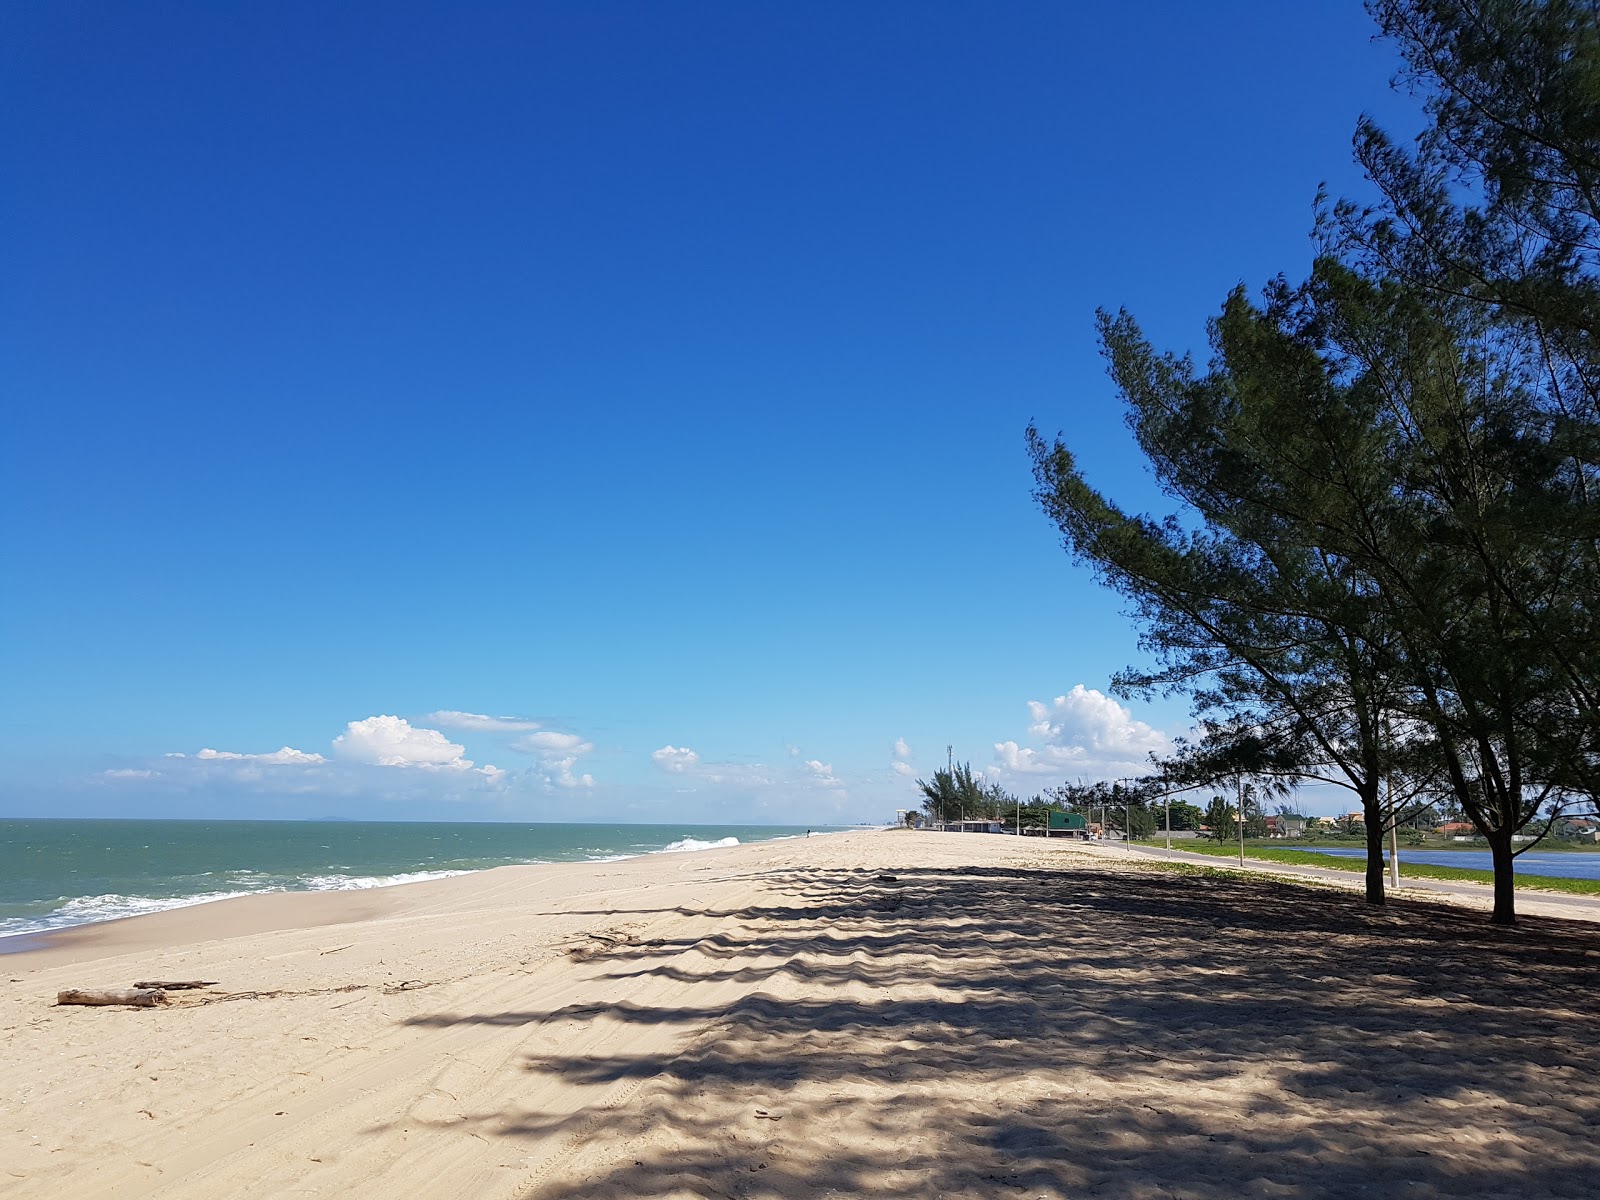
[822,773]
[1083,732]
[901,764]
[558,753]
[287,756]
[386,741]
[437,769]
[561,774]
[772,784]
[1026,760]
[449,718]
[551,742]
[1090,720]
[676,759]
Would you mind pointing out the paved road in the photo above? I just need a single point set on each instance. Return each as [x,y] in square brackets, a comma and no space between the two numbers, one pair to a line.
[1474,895]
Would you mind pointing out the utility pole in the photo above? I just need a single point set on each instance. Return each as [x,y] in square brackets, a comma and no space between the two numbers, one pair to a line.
[1127,814]
[1241,821]
[1167,800]
[950,770]
[1394,853]
[1394,827]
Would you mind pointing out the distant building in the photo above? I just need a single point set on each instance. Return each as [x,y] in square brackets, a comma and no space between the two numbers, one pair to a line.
[1061,824]
[1586,829]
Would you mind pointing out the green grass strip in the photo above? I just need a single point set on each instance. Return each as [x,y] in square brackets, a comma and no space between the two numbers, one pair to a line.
[1310,858]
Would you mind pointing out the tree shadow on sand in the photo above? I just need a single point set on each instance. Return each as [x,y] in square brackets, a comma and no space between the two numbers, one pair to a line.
[1042,1032]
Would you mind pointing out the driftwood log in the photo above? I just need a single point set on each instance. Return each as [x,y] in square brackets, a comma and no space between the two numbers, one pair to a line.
[175,985]
[140,997]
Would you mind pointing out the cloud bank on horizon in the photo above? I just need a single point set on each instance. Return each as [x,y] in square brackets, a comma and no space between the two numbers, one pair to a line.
[411,762]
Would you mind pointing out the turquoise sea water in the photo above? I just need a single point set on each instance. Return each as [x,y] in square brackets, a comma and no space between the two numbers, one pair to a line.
[58,873]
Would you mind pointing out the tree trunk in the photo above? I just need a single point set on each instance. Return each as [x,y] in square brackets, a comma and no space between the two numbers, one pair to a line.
[1505,880]
[132,997]
[1375,883]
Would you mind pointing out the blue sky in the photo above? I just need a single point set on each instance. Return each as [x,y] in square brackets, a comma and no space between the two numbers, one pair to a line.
[624,399]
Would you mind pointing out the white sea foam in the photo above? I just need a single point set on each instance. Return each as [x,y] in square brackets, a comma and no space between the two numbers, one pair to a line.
[244,881]
[358,883]
[84,910]
[686,844]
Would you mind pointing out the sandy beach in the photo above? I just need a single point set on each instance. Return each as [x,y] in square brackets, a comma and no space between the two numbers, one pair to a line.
[1000,1018]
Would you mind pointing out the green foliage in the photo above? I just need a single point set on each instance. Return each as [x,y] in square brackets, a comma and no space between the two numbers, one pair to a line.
[958,794]
[950,794]
[1383,567]
[1122,805]
[1221,818]
[1134,821]
[1185,816]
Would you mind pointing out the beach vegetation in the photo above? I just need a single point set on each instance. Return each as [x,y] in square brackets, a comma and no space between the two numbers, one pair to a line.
[958,793]
[1221,821]
[1381,569]
[1184,816]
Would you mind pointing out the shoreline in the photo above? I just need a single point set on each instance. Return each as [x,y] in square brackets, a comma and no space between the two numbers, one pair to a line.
[28,940]
[858,1014]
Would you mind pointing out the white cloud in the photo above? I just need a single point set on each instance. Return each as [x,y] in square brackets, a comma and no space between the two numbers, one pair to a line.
[551,742]
[1083,732]
[773,784]
[677,759]
[288,756]
[438,770]
[748,776]
[1050,760]
[127,773]
[560,773]
[1096,723]
[904,768]
[557,753]
[394,742]
[822,773]
[449,718]
[901,750]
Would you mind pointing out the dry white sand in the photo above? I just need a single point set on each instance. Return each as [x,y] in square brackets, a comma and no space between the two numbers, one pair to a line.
[1003,1018]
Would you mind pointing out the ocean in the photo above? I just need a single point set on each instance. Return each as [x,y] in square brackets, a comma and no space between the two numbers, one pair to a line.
[58,873]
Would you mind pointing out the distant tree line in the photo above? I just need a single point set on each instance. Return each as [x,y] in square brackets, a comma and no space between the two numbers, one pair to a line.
[1125,807]
[956,794]
[1383,566]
